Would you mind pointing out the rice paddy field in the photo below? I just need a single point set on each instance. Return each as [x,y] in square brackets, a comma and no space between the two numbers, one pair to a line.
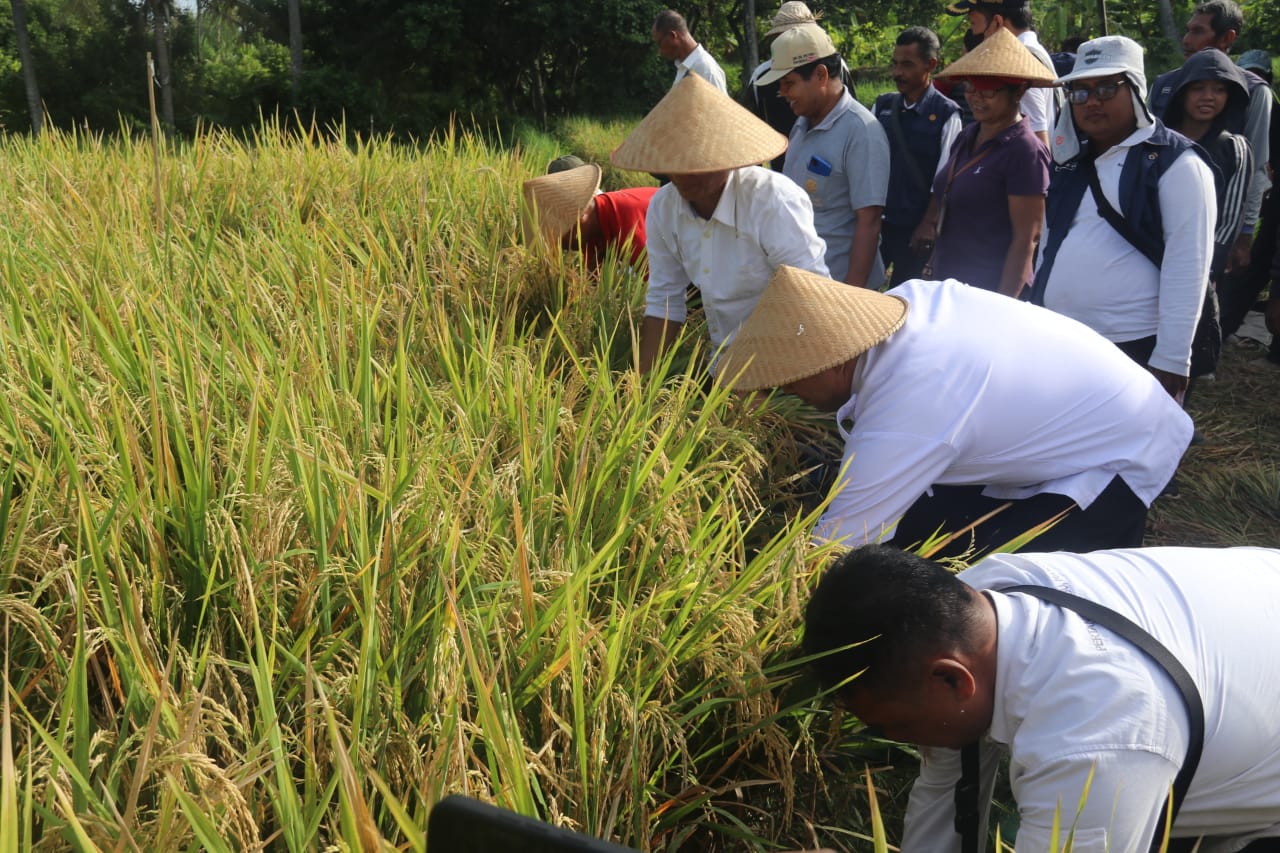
[323,497]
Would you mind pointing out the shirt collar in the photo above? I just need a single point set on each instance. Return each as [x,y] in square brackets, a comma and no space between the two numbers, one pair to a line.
[842,106]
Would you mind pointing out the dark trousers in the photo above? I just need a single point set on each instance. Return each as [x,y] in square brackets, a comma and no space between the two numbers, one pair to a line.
[895,251]
[1262,845]
[1116,519]
[1239,291]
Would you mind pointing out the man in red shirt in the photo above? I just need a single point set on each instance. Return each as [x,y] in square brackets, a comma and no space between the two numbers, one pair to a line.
[570,210]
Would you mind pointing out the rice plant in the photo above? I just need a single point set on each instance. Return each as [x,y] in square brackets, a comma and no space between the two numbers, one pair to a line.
[323,498]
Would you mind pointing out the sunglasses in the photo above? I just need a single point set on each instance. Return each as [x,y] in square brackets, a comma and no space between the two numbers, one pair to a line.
[1102,91]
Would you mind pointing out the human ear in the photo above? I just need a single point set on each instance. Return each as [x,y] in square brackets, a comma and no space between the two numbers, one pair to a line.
[954,677]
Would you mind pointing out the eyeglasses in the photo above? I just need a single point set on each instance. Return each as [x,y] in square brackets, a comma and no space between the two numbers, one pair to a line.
[1102,91]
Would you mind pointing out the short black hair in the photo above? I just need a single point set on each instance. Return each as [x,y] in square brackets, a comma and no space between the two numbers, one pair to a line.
[1223,15]
[670,21]
[925,39]
[831,63]
[1071,44]
[1019,16]
[879,611]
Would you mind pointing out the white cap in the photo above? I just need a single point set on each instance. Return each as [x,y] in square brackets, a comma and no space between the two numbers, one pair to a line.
[796,47]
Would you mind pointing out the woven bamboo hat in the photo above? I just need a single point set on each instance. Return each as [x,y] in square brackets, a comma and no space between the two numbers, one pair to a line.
[697,128]
[792,13]
[553,203]
[804,324]
[1001,55]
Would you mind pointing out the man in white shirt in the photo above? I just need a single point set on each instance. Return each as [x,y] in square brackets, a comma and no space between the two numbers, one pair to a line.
[945,661]
[956,403]
[837,153]
[674,42]
[723,224]
[1039,105]
[1142,288]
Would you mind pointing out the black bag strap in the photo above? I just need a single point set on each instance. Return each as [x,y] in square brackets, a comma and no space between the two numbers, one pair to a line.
[1128,630]
[1155,254]
[968,812]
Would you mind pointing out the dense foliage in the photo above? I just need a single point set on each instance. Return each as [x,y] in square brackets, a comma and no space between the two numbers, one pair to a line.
[408,65]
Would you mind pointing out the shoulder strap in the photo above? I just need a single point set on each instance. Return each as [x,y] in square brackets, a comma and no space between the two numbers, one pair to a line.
[1153,253]
[1127,630]
[968,813]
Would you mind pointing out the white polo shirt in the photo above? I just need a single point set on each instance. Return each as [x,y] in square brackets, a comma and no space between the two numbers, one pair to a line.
[1071,697]
[980,389]
[763,220]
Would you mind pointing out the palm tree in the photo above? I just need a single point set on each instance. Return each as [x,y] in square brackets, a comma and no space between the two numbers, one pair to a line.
[28,65]
[160,10]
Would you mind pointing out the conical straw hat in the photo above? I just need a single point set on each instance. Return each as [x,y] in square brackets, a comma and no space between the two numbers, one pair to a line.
[804,324]
[697,128]
[554,202]
[1001,55]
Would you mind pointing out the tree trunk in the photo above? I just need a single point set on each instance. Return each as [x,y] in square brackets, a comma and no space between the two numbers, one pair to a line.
[295,51]
[1167,27]
[28,66]
[750,43]
[160,22]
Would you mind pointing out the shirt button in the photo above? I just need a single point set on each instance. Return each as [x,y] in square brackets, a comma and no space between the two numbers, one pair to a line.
[707,234]
[706,270]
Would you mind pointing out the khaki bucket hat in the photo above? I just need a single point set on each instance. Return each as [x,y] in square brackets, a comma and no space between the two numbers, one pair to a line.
[697,128]
[804,324]
[792,13]
[553,203]
[1001,55]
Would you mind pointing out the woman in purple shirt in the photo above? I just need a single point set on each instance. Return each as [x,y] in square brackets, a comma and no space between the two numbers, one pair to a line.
[987,207]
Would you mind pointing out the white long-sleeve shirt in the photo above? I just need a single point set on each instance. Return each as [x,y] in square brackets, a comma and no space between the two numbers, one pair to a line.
[1101,280]
[1071,698]
[980,389]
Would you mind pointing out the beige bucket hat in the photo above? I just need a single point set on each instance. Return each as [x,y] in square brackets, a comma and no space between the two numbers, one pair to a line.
[1001,55]
[553,203]
[804,324]
[793,13]
[697,128]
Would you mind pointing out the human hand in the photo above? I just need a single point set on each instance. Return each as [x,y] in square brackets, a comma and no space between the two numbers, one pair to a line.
[1238,258]
[922,238]
[1171,382]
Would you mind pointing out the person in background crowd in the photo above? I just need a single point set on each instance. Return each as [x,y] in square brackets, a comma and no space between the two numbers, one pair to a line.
[837,153]
[1116,167]
[988,245]
[765,100]
[723,224]
[567,208]
[1065,59]
[674,42]
[973,665]
[920,124]
[1239,290]
[1210,88]
[1217,23]
[960,407]
[1039,105]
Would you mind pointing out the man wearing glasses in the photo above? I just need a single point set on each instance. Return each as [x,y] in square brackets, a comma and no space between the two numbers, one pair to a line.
[1129,216]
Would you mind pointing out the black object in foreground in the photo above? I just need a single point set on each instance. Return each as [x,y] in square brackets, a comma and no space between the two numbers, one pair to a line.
[462,825]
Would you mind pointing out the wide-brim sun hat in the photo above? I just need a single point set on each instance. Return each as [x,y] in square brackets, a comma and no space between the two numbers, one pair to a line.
[793,13]
[804,324]
[694,129]
[1001,55]
[1105,56]
[553,203]
[796,48]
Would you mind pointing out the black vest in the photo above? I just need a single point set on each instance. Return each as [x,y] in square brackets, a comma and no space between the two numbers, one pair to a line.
[918,143]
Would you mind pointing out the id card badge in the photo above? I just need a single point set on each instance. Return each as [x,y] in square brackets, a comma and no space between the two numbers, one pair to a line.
[819,166]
